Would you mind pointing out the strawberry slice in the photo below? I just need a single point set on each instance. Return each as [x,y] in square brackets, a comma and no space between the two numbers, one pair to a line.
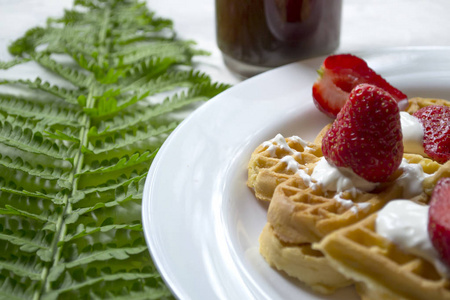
[338,75]
[366,135]
[439,219]
[435,120]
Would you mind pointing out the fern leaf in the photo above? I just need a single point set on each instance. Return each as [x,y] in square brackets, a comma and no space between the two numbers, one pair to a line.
[73,76]
[121,141]
[26,244]
[63,136]
[57,199]
[124,162]
[105,254]
[25,140]
[11,289]
[144,70]
[45,172]
[112,186]
[74,285]
[81,211]
[10,210]
[24,267]
[12,63]
[49,113]
[111,105]
[84,231]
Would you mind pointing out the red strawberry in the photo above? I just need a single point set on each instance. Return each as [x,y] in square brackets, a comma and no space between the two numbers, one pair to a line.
[339,74]
[439,219]
[366,135]
[436,123]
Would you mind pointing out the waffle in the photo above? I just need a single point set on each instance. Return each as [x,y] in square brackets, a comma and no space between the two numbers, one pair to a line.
[271,163]
[303,214]
[414,104]
[382,269]
[301,261]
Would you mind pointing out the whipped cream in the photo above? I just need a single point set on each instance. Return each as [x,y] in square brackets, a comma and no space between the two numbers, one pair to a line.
[341,180]
[405,223]
[279,142]
[412,131]
[335,179]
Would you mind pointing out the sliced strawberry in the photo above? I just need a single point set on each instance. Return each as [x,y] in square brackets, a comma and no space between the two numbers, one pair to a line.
[366,135]
[338,75]
[436,124]
[439,219]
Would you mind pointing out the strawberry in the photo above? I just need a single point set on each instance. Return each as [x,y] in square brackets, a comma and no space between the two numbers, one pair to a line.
[439,219]
[338,75]
[435,120]
[366,135]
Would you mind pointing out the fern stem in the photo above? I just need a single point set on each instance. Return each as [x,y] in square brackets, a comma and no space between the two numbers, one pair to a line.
[79,157]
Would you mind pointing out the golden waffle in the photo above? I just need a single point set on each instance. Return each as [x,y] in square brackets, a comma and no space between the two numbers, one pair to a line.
[300,261]
[303,214]
[414,104]
[270,163]
[300,215]
[383,270]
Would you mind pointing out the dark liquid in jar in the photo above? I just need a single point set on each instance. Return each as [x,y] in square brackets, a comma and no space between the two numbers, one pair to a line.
[270,33]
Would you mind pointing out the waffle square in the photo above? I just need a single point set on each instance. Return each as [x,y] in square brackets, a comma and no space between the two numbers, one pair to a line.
[382,269]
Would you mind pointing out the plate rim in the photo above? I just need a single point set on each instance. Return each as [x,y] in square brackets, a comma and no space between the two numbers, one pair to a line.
[176,290]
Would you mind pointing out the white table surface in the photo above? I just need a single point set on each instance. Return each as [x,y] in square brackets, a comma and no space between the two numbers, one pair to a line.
[366,25]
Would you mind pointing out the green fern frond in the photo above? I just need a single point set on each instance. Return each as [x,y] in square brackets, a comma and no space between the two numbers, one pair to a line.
[104,254]
[26,243]
[97,167]
[145,70]
[34,194]
[84,210]
[10,210]
[27,43]
[22,268]
[48,112]
[73,76]
[107,105]
[116,184]
[130,138]
[28,167]
[9,64]
[84,231]
[74,157]
[25,140]
[70,96]
[68,135]
[12,288]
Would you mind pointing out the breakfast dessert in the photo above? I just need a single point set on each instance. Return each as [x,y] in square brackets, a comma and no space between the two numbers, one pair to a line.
[372,154]
[401,252]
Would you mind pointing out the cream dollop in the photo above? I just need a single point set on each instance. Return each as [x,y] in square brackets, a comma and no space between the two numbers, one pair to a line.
[340,180]
[332,178]
[405,223]
[412,131]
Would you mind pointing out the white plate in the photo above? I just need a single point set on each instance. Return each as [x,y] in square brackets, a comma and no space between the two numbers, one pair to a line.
[200,220]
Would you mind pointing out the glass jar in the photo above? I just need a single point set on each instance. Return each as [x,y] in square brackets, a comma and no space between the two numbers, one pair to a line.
[257,35]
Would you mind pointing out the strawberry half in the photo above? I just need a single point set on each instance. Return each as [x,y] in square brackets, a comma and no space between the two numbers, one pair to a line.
[338,75]
[435,120]
[366,135]
[439,219]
